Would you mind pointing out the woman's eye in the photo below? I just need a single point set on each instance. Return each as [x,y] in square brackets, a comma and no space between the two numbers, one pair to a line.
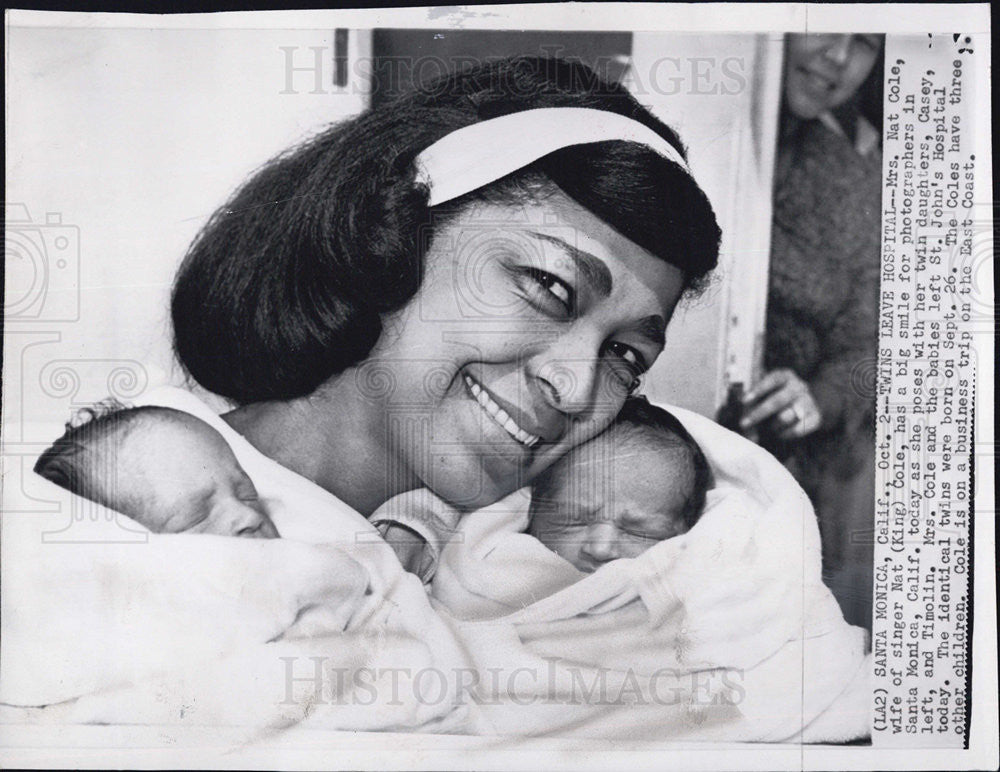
[557,288]
[629,365]
[553,286]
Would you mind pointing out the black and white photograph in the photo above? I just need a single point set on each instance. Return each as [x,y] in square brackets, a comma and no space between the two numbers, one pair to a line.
[494,387]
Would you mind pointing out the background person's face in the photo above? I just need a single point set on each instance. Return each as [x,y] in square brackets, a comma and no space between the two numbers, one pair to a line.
[529,326]
[823,71]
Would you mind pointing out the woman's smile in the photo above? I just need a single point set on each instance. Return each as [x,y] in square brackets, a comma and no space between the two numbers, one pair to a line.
[824,70]
[819,83]
[522,341]
[452,295]
[498,414]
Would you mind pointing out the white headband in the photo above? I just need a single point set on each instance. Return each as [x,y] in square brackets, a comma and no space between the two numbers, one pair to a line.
[476,155]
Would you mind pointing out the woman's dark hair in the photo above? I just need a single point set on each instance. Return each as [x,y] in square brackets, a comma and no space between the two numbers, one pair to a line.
[286,284]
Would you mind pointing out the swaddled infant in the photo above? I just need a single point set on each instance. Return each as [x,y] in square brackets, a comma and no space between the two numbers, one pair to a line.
[642,481]
[165,469]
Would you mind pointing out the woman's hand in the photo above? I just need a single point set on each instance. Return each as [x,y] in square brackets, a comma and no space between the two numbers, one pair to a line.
[784,399]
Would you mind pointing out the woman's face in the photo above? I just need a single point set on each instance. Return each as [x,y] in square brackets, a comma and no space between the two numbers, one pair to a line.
[823,71]
[528,329]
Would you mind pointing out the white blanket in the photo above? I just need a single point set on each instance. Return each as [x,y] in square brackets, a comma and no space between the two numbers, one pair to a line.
[732,612]
[105,623]
[199,630]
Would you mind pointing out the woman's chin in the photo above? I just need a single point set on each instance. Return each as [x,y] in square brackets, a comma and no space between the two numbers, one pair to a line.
[473,486]
[484,463]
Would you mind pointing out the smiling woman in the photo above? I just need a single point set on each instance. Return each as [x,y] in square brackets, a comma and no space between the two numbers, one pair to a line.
[449,291]
[554,338]
[414,315]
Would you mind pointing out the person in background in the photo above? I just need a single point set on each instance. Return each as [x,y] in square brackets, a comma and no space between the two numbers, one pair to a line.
[814,407]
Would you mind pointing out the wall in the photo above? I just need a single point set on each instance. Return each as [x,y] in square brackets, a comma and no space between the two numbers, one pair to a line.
[721,94]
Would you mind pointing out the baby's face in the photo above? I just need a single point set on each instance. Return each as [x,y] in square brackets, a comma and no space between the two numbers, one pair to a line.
[192,482]
[607,505]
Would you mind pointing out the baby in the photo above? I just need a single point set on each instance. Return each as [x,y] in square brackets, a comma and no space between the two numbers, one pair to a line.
[642,481]
[165,469]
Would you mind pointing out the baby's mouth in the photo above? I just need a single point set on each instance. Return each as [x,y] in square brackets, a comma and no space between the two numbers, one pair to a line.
[498,415]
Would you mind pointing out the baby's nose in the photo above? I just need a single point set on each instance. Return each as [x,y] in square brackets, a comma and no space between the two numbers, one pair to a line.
[259,527]
[601,543]
[238,518]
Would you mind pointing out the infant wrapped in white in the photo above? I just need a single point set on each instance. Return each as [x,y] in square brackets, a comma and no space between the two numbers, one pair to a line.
[729,621]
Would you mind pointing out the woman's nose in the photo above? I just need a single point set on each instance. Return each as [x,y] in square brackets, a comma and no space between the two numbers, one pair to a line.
[839,49]
[600,543]
[568,373]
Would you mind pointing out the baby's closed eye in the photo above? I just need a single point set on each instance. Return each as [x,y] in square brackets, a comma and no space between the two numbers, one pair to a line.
[640,533]
[653,527]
